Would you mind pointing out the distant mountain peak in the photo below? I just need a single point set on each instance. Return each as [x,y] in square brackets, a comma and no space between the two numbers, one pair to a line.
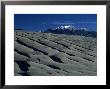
[69,29]
[65,27]
[83,29]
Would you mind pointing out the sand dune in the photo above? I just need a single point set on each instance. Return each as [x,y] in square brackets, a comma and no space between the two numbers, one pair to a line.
[47,54]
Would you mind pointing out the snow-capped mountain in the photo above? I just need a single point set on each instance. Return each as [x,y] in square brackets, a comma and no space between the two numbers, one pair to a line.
[68,29]
[83,29]
[65,27]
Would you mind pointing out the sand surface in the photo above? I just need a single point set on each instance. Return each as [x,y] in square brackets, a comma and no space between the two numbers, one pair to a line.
[47,54]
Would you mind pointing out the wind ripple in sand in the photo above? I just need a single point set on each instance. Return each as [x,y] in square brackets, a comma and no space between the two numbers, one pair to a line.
[47,54]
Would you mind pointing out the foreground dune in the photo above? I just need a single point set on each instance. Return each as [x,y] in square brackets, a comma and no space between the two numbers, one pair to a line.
[47,54]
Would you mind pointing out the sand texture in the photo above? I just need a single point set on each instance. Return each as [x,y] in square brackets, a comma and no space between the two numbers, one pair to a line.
[47,54]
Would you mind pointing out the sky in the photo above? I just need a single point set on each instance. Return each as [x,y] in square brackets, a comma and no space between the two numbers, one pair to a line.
[38,22]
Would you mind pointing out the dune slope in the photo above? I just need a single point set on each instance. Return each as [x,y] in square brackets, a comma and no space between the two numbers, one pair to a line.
[47,54]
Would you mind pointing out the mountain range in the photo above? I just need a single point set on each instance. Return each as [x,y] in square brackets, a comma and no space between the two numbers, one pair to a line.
[71,30]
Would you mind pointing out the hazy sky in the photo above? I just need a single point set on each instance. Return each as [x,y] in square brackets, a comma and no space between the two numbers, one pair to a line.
[35,22]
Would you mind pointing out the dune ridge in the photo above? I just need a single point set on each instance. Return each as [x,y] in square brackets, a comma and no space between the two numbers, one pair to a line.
[48,54]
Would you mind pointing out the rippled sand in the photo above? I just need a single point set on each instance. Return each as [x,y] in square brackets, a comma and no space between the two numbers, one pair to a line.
[47,54]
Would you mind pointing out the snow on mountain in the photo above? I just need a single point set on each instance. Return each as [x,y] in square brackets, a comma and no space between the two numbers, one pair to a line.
[65,27]
[68,29]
